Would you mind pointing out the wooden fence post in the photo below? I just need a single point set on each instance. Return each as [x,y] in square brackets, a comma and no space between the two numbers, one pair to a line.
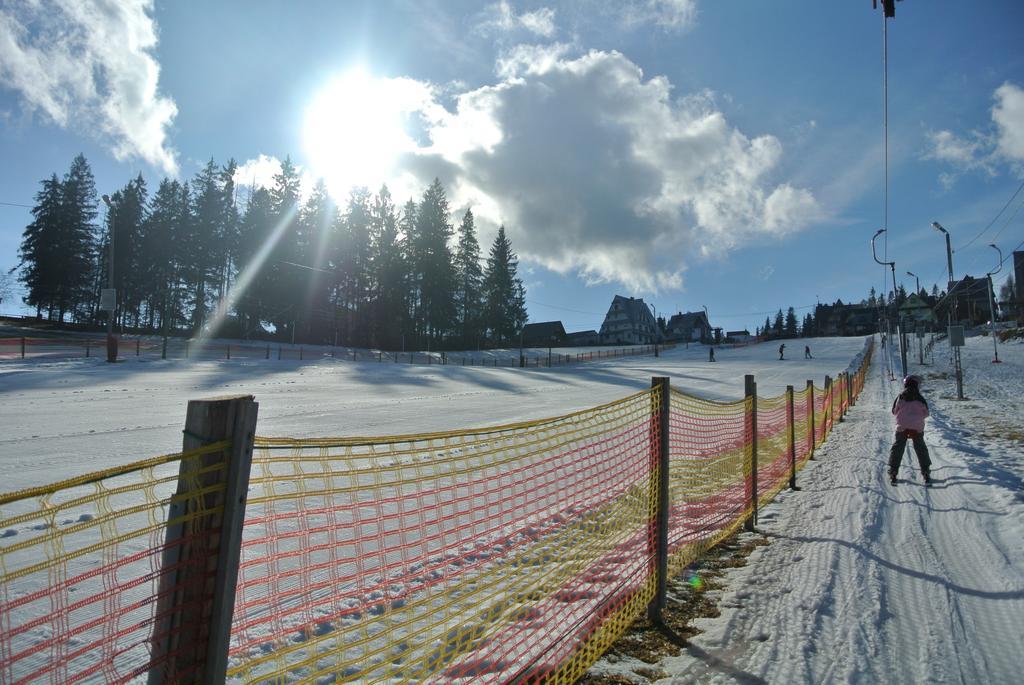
[810,417]
[791,422]
[138,345]
[23,347]
[750,392]
[203,544]
[658,534]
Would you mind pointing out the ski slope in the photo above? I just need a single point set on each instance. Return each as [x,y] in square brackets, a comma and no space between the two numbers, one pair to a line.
[861,582]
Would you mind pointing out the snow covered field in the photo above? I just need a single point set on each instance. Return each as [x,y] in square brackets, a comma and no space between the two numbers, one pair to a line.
[66,418]
[862,582]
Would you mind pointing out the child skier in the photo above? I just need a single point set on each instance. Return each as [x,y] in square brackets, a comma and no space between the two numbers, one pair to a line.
[910,410]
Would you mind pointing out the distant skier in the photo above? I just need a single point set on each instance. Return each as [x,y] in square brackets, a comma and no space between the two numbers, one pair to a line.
[782,351]
[711,354]
[910,410]
[807,352]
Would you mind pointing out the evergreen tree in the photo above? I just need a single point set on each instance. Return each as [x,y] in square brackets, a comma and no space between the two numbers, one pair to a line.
[790,330]
[39,254]
[767,330]
[807,330]
[125,217]
[872,298]
[414,275]
[162,253]
[388,272]
[318,222]
[77,242]
[470,280]
[255,232]
[777,328]
[279,277]
[230,230]
[354,265]
[504,294]
[436,269]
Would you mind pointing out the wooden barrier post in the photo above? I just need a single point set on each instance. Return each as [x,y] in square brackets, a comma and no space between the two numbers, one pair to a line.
[268,352]
[203,544]
[658,533]
[86,349]
[186,349]
[791,422]
[810,417]
[750,392]
[22,347]
[229,352]
[829,417]
[138,345]
[163,349]
[279,353]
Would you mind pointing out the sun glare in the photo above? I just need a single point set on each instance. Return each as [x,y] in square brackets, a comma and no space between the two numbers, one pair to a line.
[355,129]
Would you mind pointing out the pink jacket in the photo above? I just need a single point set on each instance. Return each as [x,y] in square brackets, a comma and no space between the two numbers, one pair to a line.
[910,414]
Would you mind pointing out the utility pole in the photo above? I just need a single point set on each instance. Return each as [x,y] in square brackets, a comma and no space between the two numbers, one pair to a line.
[991,304]
[108,300]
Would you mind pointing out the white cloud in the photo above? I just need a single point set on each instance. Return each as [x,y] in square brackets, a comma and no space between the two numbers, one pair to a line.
[260,172]
[596,170]
[1008,115]
[984,150]
[501,18]
[88,65]
[671,15]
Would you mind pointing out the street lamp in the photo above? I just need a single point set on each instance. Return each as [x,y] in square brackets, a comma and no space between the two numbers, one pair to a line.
[892,267]
[955,351]
[917,281]
[991,303]
[108,300]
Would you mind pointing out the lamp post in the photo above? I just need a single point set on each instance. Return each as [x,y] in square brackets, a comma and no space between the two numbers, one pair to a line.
[892,267]
[110,297]
[991,303]
[955,351]
[917,281]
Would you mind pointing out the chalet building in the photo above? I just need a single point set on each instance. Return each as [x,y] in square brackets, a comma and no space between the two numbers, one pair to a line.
[544,334]
[845,319]
[738,336]
[970,300]
[689,327]
[583,338]
[917,310]
[629,322]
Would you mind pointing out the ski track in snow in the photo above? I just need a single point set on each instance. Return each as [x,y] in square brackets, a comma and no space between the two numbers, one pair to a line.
[866,582]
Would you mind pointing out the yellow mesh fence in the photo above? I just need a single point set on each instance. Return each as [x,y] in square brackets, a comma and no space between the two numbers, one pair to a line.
[518,552]
[82,572]
[709,474]
[773,454]
[803,436]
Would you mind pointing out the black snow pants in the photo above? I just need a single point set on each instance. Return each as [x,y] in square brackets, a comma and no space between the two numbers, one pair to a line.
[921,449]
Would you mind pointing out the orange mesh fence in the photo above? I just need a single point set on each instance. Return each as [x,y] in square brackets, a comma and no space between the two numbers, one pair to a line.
[803,437]
[517,553]
[709,474]
[773,456]
[83,574]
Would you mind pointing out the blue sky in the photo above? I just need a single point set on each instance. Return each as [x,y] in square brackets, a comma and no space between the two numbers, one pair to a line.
[694,153]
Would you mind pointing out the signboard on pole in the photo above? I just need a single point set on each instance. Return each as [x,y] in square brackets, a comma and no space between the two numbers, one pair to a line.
[108,299]
[956,336]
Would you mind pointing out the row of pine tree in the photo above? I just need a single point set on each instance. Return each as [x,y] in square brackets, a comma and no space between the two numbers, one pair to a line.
[190,257]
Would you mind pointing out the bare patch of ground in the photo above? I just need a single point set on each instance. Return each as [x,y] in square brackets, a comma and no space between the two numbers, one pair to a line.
[690,596]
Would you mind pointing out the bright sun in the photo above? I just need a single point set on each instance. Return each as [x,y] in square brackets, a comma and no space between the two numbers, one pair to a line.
[355,129]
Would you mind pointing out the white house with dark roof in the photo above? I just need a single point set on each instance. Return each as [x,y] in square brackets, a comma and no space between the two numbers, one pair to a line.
[629,322]
[689,327]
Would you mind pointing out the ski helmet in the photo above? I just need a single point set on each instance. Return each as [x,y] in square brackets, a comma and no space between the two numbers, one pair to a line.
[912,381]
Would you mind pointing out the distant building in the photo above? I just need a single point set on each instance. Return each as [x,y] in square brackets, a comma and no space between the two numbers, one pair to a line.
[689,327]
[845,319]
[916,310]
[629,322]
[583,338]
[545,334]
[738,336]
[970,300]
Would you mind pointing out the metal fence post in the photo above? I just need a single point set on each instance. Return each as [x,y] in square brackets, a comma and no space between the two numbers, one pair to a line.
[203,545]
[657,535]
[791,422]
[750,392]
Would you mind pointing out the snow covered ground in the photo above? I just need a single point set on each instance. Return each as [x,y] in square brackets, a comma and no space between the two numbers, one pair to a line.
[67,418]
[862,582]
